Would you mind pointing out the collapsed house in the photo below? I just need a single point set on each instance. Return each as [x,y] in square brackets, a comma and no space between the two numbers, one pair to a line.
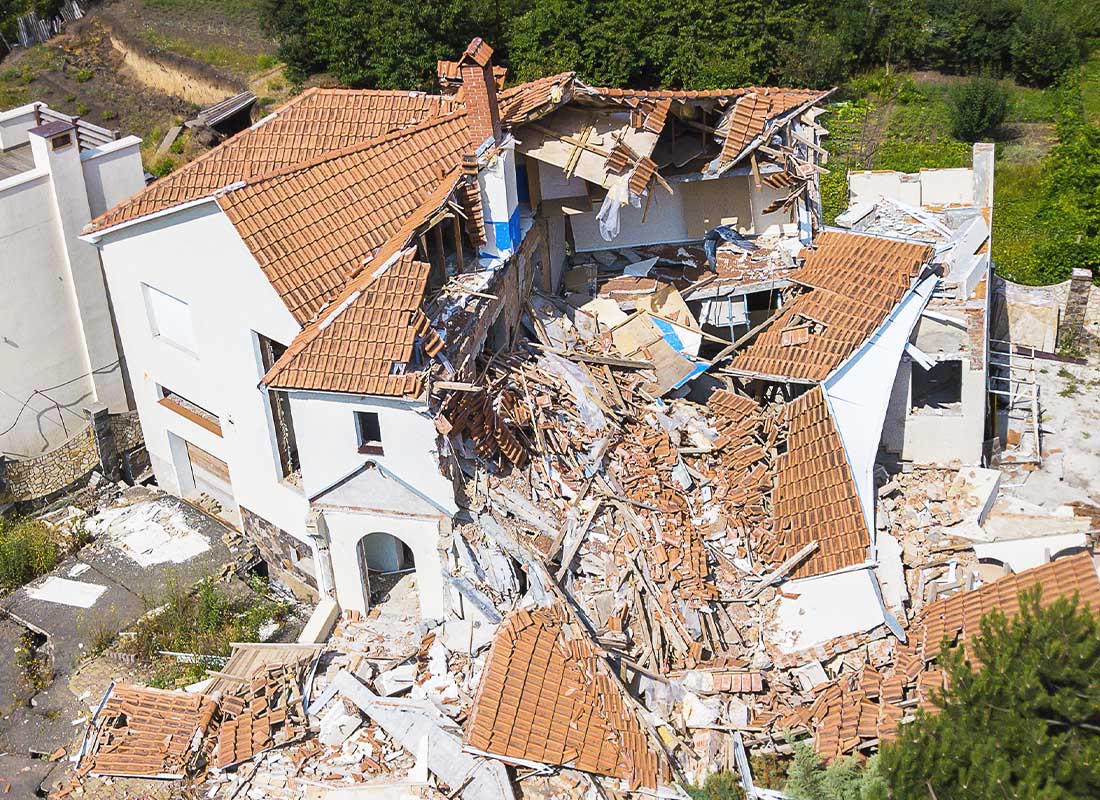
[588,364]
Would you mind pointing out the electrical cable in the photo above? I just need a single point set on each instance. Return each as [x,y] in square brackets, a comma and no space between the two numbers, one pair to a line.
[27,402]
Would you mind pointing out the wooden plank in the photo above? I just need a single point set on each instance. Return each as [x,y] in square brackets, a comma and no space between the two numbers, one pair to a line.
[187,413]
[208,463]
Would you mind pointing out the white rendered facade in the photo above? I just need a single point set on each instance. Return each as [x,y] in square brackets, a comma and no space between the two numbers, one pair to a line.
[58,350]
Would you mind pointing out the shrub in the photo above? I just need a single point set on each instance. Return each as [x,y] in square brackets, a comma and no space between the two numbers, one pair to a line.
[163,166]
[27,550]
[82,75]
[977,107]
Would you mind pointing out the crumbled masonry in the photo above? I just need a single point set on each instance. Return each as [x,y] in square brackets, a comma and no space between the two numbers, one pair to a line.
[690,522]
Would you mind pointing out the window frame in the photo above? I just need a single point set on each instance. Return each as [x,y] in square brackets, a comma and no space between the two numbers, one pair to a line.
[156,321]
[366,446]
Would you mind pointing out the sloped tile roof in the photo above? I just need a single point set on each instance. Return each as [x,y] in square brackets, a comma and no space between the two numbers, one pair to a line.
[532,99]
[865,705]
[815,497]
[315,225]
[373,328]
[854,282]
[547,696]
[316,122]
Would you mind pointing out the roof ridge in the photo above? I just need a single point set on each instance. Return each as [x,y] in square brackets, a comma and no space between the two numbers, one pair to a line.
[309,163]
[218,150]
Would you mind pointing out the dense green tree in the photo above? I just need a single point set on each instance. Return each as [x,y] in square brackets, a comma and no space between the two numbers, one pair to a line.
[1044,44]
[1021,716]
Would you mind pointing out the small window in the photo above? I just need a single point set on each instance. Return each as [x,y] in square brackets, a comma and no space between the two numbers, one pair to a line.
[370,432]
[170,318]
[61,142]
[939,387]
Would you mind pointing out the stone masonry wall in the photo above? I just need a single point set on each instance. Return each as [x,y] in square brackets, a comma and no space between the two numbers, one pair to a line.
[282,552]
[32,478]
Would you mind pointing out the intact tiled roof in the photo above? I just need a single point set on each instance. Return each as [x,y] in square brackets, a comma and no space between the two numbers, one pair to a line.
[313,226]
[864,705]
[148,732]
[815,497]
[547,696]
[364,344]
[854,282]
[316,122]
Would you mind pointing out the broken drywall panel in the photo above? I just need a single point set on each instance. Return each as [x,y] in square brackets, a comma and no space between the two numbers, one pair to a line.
[1021,554]
[412,722]
[811,611]
[580,142]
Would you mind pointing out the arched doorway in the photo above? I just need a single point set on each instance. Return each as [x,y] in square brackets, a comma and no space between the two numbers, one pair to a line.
[389,574]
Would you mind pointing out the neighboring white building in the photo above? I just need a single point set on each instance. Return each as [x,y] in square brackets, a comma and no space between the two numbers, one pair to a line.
[58,350]
[281,299]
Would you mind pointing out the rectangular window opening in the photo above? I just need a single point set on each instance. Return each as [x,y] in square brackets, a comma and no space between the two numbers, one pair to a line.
[189,410]
[279,402]
[939,387]
[170,318]
[369,430]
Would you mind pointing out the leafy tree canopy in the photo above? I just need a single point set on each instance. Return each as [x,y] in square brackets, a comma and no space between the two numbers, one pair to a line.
[1021,716]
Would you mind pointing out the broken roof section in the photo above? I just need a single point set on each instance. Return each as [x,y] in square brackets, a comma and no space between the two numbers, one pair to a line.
[149,733]
[851,282]
[869,704]
[375,341]
[547,696]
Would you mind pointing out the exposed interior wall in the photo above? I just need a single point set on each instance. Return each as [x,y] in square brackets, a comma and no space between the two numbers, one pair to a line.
[196,255]
[690,211]
[937,436]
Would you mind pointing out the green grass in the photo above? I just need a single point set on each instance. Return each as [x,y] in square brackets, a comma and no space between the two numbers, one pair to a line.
[218,56]
[202,621]
[1090,87]
[27,549]
[1016,224]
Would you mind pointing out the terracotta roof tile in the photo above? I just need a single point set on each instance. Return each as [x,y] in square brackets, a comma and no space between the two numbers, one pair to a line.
[313,226]
[853,282]
[364,345]
[754,111]
[148,732]
[316,122]
[547,696]
[815,497]
[916,670]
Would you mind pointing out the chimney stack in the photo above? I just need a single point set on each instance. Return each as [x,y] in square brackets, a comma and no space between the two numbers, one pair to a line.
[479,91]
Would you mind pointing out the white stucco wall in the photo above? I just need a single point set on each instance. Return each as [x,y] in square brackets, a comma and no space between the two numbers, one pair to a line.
[421,534]
[56,331]
[196,256]
[329,450]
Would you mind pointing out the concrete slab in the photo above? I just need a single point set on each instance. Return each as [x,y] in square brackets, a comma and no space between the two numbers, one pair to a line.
[126,590]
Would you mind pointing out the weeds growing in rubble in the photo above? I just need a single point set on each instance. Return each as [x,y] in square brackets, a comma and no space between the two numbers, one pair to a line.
[200,622]
[33,665]
[27,550]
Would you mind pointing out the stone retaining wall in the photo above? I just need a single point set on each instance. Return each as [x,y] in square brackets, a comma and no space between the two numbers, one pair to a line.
[97,445]
[282,552]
